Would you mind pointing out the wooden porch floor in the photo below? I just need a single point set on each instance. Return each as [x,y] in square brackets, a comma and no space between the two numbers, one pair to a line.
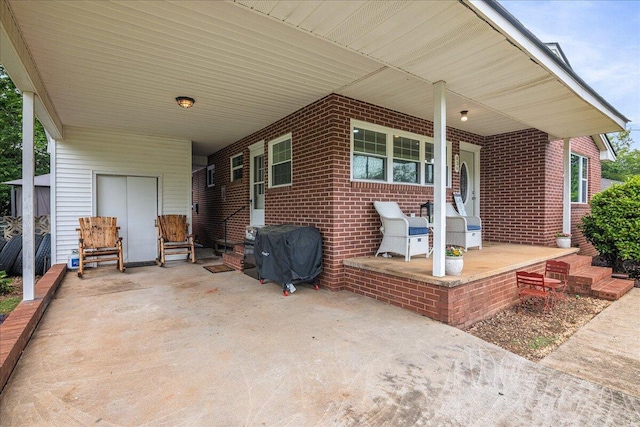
[493,259]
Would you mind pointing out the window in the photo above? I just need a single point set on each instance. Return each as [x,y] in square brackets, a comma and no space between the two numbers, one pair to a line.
[387,155]
[429,160]
[579,179]
[280,156]
[406,160]
[236,167]
[369,155]
[211,175]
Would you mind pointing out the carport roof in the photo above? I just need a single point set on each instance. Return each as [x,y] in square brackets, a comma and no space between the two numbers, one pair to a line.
[119,65]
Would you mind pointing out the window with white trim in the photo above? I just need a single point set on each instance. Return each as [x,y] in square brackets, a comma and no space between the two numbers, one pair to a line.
[280,161]
[211,175]
[369,155]
[236,167]
[383,154]
[579,178]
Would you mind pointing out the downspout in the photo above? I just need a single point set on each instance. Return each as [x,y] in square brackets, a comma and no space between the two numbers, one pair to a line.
[440,178]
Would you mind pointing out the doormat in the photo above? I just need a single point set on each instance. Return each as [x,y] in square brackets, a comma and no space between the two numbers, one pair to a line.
[219,268]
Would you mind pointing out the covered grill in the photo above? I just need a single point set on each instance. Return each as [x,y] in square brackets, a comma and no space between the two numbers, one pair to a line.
[288,254]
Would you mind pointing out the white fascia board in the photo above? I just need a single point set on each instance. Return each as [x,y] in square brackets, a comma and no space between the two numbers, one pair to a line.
[606,151]
[542,56]
[17,62]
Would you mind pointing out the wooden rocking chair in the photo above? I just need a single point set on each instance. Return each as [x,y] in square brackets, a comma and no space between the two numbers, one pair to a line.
[99,242]
[174,238]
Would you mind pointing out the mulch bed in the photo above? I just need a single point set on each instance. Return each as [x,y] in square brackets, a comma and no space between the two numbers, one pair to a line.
[533,334]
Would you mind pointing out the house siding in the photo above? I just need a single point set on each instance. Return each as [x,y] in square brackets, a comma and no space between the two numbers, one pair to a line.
[84,152]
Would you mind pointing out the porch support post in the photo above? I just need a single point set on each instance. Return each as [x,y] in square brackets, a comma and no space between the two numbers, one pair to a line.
[566,192]
[28,168]
[440,176]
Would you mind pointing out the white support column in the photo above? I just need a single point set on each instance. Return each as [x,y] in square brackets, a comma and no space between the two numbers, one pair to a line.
[28,168]
[566,192]
[440,177]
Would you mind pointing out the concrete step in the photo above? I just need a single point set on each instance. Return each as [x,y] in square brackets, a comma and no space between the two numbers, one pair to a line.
[611,289]
[233,260]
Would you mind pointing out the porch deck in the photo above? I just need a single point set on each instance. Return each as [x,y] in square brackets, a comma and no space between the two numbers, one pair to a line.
[493,259]
[487,284]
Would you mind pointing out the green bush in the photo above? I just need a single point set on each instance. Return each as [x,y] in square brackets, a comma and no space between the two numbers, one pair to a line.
[5,283]
[613,227]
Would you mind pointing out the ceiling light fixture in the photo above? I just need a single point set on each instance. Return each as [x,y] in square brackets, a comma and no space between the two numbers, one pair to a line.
[185,101]
[463,115]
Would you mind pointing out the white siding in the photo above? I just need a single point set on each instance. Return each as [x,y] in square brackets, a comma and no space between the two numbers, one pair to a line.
[84,153]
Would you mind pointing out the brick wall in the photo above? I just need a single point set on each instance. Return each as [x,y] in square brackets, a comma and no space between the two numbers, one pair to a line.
[322,194]
[513,203]
[521,183]
[585,146]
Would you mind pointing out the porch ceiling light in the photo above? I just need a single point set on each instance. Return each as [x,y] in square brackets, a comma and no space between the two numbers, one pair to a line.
[185,101]
[463,115]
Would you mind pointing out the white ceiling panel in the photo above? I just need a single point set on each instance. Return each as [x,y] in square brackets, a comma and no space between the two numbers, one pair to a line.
[119,65]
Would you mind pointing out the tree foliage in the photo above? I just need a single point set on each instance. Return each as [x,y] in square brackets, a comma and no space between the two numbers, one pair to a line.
[613,226]
[627,162]
[11,140]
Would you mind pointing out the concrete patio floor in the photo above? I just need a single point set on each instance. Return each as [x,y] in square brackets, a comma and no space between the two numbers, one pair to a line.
[181,346]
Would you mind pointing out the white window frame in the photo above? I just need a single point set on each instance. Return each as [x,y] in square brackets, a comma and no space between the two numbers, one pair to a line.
[389,155]
[271,163]
[211,175]
[232,168]
[583,196]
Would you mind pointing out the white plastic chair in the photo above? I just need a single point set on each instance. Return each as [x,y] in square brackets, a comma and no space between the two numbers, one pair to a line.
[463,231]
[401,234]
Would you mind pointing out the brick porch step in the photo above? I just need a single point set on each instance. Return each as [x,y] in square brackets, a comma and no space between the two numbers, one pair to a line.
[577,262]
[220,245]
[611,289]
[233,260]
[589,276]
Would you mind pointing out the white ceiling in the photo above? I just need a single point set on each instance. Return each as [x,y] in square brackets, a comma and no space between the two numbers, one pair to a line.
[119,66]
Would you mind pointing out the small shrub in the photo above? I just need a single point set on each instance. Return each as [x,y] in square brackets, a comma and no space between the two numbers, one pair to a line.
[5,283]
[613,226]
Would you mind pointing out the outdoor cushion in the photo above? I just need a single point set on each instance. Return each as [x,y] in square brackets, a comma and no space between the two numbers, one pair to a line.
[414,231]
[474,228]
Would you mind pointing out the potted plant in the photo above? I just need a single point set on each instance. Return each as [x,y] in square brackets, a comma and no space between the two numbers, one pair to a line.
[453,261]
[563,240]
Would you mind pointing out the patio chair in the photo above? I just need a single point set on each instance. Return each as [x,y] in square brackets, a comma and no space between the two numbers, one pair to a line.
[401,234]
[531,285]
[98,241]
[463,231]
[174,238]
[557,278]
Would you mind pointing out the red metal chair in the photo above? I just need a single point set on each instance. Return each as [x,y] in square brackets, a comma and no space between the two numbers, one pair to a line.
[557,278]
[532,285]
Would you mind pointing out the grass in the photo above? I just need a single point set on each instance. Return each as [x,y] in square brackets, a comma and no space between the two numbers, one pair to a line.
[540,342]
[7,305]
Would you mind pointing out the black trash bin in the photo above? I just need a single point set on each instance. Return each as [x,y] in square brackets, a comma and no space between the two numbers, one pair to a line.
[289,255]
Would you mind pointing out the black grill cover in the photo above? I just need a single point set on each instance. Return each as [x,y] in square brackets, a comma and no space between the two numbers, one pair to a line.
[288,253]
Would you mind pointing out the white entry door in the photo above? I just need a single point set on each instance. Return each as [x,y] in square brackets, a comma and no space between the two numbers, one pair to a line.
[134,201]
[257,183]
[469,185]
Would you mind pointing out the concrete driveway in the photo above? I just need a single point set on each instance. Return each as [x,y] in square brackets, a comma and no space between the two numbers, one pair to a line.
[179,346]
